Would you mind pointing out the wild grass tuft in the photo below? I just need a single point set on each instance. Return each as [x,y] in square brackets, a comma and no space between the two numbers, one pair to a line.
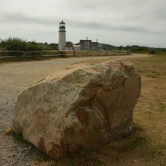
[42,157]
[161,106]
[84,158]
[17,137]
[9,131]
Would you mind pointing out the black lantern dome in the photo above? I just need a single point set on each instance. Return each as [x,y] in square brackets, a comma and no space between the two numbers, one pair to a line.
[62,27]
[62,24]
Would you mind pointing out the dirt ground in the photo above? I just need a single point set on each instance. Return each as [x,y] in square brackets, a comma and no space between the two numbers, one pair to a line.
[149,112]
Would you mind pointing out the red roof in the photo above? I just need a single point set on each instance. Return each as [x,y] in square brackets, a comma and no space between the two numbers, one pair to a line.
[69,45]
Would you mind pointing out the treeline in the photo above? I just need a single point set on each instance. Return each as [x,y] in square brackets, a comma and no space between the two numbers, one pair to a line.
[135,49]
[17,44]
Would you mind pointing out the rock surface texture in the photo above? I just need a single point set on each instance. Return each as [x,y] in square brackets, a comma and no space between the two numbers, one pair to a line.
[79,107]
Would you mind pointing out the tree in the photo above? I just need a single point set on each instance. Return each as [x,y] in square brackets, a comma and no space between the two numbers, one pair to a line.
[33,46]
[14,44]
[53,46]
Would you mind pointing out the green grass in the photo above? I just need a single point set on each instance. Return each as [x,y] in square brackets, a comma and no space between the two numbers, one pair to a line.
[84,158]
[17,137]
[138,140]
[41,156]
[161,106]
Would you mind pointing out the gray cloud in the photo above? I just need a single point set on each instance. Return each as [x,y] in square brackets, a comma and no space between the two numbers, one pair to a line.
[22,19]
[111,21]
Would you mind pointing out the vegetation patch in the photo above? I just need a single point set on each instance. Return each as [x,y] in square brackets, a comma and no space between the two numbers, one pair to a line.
[161,106]
[17,137]
[25,59]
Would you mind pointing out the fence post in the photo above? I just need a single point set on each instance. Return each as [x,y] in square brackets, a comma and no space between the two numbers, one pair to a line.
[17,53]
[74,52]
[35,56]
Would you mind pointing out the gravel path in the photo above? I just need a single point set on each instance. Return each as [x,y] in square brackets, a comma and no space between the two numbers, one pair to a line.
[15,77]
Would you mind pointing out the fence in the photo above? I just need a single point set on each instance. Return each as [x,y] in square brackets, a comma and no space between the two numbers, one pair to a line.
[100,53]
[79,53]
[60,53]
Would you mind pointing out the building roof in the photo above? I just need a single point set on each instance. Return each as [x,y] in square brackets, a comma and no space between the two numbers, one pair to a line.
[83,41]
[94,43]
[62,22]
[69,45]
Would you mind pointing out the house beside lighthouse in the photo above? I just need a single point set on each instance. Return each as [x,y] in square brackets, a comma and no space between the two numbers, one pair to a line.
[62,36]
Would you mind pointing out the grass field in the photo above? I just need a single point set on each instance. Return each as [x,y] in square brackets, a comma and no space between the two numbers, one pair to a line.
[146,146]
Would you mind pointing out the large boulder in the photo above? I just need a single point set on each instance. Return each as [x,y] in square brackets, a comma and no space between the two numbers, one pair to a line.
[79,107]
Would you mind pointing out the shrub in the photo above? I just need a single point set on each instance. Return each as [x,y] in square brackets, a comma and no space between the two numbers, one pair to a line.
[152,51]
[14,44]
[17,44]
[32,46]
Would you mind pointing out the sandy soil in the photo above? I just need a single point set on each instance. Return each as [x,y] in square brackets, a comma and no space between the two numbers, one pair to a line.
[15,77]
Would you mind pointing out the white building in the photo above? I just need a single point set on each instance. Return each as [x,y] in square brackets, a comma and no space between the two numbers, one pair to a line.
[62,36]
[77,47]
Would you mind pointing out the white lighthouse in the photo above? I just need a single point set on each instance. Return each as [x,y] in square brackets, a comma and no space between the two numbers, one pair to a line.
[62,35]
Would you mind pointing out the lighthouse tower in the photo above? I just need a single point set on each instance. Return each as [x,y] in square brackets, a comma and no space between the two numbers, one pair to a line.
[62,35]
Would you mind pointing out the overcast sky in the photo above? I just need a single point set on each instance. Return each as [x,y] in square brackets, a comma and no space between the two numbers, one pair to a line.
[116,22]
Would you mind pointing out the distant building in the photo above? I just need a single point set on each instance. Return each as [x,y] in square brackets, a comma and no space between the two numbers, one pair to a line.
[68,46]
[89,45]
[71,46]
[84,45]
[77,47]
